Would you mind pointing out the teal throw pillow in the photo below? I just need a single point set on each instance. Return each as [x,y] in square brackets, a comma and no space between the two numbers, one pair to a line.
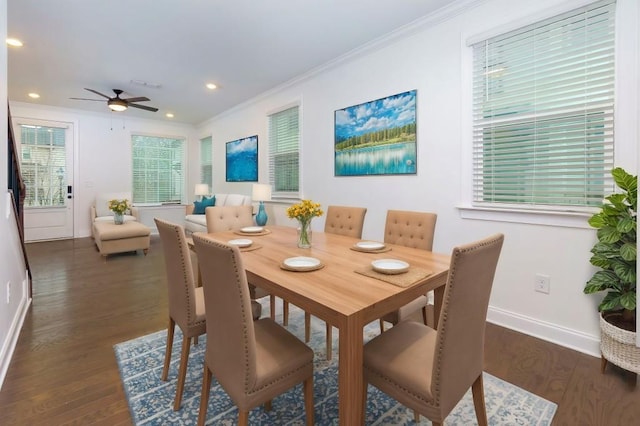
[200,206]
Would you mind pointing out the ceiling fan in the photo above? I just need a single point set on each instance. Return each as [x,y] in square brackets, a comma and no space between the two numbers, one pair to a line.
[118,104]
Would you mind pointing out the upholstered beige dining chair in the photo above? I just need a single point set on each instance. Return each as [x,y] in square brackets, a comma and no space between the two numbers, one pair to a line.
[340,220]
[230,218]
[252,361]
[429,370]
[415,230]
[186,301]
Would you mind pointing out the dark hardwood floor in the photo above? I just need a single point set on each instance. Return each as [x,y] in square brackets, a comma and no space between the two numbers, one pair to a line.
[64,369]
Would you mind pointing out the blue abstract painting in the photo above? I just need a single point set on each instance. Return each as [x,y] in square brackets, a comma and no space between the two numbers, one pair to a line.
[242,160]
[377,137]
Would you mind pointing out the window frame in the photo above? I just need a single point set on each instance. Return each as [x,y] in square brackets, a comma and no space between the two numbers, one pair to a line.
[285,195]
[625,105]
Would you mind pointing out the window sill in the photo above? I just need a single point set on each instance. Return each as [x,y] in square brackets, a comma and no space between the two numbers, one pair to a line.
[564,219]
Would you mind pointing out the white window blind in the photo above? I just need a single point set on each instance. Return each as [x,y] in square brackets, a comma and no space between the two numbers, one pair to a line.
[284,152]
[43,165]
[206,161]
[543,112]
[158,169]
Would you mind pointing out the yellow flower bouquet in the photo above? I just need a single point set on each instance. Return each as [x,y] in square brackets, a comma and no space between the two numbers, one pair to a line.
[119,207]
[303,212]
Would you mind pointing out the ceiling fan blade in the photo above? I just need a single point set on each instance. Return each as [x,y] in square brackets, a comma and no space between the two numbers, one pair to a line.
[87,99]
[98,93]
[148,108]
[139,99]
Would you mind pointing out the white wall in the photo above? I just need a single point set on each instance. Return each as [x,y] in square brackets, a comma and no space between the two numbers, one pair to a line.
[433,60]
[102,151]
[12,267]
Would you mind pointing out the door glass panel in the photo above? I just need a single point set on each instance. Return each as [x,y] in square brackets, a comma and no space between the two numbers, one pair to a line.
[43,165]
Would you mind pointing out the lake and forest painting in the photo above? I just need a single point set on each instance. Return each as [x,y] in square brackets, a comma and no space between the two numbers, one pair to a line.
[242,160]
[377,137]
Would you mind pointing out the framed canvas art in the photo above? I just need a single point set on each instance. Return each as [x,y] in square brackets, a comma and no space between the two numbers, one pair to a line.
[377,137]
[242,160]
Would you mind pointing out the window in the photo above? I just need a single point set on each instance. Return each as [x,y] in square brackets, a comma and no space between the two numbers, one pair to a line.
[43,165]
[284,153]
[206,161]
[158,169]
[543,99]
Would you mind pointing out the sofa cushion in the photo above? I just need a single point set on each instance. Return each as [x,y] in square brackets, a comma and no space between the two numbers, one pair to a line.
[200,206]
[235,200]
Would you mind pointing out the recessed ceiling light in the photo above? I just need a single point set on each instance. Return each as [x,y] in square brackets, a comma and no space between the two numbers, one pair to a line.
[34,95]
[211,86]
[14,42]
[169,115]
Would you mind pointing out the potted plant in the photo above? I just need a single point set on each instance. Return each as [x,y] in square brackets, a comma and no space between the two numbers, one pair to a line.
[615,255]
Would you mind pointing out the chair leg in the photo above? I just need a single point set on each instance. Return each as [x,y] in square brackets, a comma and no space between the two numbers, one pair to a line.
[416,417]
[182,374]
[477,389]
[308,401]
[603,364]
[285,313]
[167,353]
[243,418]
[268,406]
[365,387]
[425,321]
[204,395]
[307,327]
[329,334]
[272,307]
[381,326]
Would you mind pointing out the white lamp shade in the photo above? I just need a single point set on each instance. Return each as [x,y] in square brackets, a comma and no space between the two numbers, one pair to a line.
[261,192]
[202,189]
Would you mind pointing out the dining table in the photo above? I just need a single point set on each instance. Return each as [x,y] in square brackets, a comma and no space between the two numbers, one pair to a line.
[341,291]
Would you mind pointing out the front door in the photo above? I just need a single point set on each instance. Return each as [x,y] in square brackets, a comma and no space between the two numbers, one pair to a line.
[46,165]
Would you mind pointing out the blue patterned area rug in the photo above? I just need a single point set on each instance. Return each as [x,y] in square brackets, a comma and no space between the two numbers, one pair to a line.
[150,399]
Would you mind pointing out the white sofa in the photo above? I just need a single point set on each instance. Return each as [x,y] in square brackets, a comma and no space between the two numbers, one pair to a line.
[198,222]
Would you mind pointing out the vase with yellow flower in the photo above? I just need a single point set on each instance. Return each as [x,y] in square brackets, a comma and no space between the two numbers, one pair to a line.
[119,207]
[304,212]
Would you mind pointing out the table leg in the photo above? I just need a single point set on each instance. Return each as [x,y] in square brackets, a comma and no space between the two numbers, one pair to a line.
[350,379]
[438,297]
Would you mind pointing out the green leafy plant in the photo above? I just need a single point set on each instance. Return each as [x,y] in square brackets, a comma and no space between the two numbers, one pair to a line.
[615,251]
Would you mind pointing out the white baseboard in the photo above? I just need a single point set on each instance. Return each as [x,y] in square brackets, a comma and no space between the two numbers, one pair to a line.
[553,333]
[9,345]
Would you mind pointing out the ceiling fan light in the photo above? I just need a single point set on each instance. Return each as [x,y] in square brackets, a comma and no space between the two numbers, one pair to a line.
[117,105]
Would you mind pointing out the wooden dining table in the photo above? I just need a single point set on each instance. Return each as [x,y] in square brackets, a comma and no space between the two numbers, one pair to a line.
[337,294]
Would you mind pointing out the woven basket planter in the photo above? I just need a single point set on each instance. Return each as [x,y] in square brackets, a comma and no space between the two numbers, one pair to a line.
[618,346]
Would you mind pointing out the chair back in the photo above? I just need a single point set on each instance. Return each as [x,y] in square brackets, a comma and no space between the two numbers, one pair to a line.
[410,229]
[460,342]
[231,343]
[180,274]
[228,218]
[346,221]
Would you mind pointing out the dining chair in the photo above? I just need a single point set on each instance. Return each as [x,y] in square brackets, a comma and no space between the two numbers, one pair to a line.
[429,370]
[252,361]
[341,220]
[410,229]
[186,300]
[231,218]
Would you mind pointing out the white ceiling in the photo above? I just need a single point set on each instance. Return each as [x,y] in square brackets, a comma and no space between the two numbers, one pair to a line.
[246,47]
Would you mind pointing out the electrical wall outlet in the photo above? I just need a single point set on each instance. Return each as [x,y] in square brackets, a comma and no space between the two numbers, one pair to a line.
[542,283]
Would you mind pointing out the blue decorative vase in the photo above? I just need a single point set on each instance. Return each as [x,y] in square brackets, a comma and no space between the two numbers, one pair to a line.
[261,217]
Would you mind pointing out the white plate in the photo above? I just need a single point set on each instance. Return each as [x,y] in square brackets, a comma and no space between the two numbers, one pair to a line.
[390,266]
[301,262]
[370,245]
[240,242]
[252,229]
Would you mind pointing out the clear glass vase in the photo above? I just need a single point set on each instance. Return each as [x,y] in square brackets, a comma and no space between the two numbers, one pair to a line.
[304,234]
[118,218]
